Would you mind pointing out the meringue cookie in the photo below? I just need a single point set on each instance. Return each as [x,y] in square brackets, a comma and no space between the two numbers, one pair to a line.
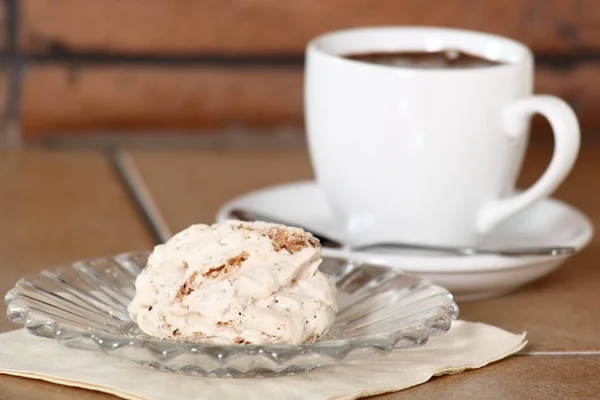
[235,282]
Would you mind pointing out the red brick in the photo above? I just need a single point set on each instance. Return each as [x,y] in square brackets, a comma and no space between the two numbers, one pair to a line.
[579,86]
[62,99]
[265,26]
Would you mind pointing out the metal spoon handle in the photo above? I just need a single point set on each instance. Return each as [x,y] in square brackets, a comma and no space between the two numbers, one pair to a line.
[468,251]
[245,215]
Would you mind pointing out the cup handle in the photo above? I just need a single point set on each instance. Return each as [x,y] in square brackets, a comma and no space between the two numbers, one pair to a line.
[565,128]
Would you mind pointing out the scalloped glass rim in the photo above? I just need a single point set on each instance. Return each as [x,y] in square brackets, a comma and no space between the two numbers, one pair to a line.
[84,305]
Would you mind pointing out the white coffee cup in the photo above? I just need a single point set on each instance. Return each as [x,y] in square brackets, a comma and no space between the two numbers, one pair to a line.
[427,155]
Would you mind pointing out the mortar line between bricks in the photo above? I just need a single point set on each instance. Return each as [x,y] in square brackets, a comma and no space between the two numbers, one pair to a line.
[192,60]
[12,25]
[264,60]
[558,62]
[13,104]
[12,131]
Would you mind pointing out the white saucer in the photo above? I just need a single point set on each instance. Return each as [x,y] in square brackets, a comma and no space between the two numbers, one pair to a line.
[548,223]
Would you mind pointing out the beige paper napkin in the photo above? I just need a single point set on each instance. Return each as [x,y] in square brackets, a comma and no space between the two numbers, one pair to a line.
[465,346]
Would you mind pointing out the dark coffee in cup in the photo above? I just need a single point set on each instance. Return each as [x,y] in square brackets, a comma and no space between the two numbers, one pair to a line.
[427,60]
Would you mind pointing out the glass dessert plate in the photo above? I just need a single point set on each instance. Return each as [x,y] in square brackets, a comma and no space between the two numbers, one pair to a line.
[84,306]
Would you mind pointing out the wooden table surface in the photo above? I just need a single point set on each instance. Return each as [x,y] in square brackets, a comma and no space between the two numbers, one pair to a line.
[64,205]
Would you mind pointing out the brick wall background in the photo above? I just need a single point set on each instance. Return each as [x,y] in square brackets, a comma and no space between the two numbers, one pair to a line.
[80,67]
